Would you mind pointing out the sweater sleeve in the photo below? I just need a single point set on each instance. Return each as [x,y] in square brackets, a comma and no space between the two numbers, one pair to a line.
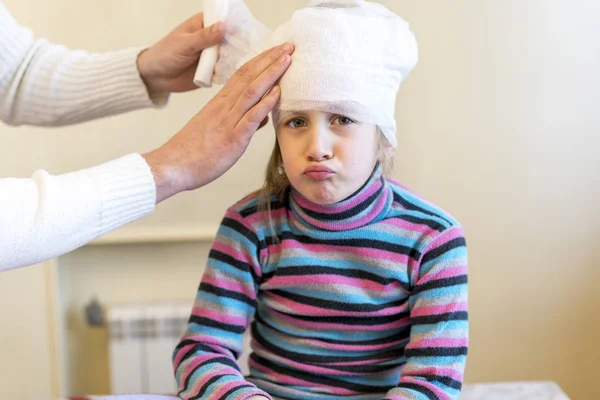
[205,359]
[46,84]
[437,350]
[46,216]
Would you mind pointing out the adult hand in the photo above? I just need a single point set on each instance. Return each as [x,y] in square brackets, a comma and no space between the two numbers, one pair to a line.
[170,64]
[215,138]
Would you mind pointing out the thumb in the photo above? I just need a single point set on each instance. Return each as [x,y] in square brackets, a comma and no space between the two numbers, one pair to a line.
[207,37]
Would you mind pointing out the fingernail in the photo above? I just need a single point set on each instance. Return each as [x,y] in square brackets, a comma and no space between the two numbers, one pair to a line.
[287,47]
[274,91]
[215,28]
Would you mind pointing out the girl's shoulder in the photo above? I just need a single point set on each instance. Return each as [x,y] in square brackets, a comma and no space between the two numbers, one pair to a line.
[410,202]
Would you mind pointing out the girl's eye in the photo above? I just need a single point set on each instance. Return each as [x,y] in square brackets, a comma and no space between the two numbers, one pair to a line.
[296,123]
[341,120]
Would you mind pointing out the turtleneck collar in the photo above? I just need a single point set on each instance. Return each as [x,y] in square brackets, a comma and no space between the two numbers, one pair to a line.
[368,204]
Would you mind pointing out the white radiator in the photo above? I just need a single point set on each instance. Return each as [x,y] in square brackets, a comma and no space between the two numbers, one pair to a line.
[142,340]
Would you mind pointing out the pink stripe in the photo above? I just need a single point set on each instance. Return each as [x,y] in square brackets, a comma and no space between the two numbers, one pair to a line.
[259,217]
[228,285]
[439,342]
[408,226]
[339,207]
[243,203]
[449,372]
[182,351]
[453,233]
[372,361]
[230,251]
[304,280]
[351,348]
[217,316]
[445,273]
[440,309]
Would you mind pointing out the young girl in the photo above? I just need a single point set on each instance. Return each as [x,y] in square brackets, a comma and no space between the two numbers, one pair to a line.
[351,285]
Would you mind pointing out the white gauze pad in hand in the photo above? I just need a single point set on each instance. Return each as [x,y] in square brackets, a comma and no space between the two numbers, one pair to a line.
[214,11]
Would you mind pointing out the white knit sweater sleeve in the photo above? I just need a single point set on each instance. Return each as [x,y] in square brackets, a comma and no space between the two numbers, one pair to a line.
[46,216]
[46,84]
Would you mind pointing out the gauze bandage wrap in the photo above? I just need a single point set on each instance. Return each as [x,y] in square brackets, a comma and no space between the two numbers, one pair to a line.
[351,57]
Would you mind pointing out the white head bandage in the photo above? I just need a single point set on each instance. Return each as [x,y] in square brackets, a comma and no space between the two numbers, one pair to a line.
[351,57]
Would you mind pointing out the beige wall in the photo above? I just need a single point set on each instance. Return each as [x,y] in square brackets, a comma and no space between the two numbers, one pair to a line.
[498,124]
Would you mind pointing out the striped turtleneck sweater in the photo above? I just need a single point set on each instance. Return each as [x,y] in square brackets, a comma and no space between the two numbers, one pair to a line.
[363,299]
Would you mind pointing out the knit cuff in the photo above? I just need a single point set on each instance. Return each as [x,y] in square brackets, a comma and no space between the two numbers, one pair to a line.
[127,191]
[129,90]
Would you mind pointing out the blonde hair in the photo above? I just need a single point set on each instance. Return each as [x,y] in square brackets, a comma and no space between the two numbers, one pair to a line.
[277,183]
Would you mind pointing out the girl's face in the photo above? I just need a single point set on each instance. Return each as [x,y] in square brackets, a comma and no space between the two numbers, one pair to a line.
[327,157]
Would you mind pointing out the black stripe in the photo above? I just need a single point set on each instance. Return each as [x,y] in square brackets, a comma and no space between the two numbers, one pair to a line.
[410,206]
[445,248]
[242,229]
[422,221]
[206,287]
[196,347]
[217,360]
[205,387]
[320,359]
[276,204]
[445,380]
[434,319]
[363,321]
[235,263]
[298,270]
[203,321]
[358,243]
[441,283]
[368,369]
[228,393]
[401,335]
[319,379]
[352,212]
[418,388]
[437,352]
[336,305]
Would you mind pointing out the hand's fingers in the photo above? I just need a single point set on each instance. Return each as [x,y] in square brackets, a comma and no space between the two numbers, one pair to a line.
[243,70]
[254,92]
[192,24]
[257,114]
[253,68]
[206,37]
